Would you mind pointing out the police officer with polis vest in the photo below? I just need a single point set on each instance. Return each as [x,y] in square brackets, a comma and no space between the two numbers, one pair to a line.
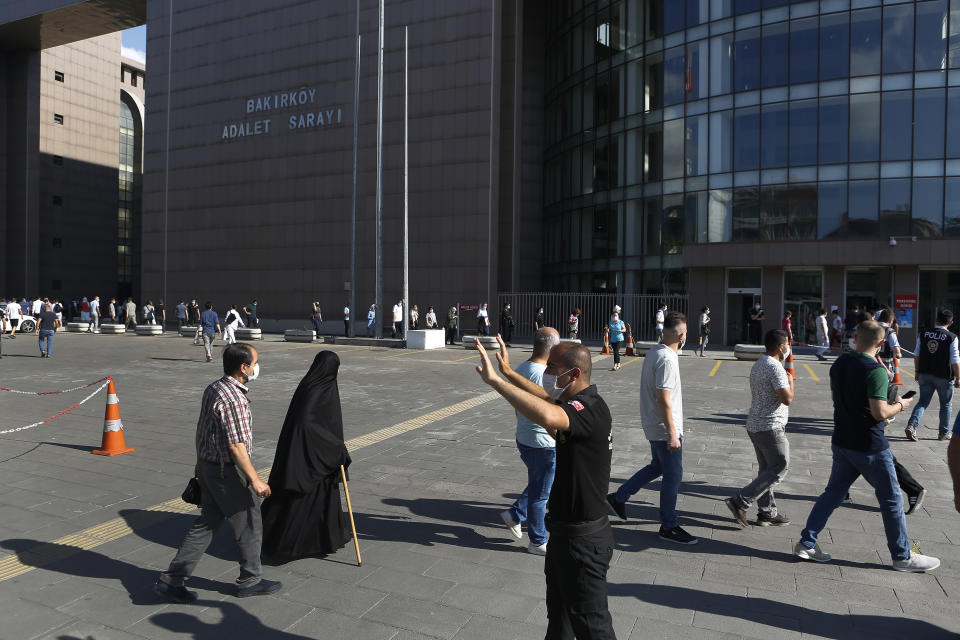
[937,362]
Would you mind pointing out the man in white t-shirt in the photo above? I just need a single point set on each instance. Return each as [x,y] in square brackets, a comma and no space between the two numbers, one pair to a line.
[661,413]
[658,324]
[13,316]
[398,319]
[823,334]
[95,315]
[771,392]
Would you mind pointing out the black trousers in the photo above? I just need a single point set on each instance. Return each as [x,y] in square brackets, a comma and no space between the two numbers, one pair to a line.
[576,571]
[506,332]
[451,335]
[616,351]
[907,482]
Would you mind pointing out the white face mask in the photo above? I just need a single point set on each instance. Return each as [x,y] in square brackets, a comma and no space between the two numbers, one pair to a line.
[255,374]
[550,384]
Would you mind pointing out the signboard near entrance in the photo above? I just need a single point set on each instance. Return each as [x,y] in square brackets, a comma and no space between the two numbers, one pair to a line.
[906,309]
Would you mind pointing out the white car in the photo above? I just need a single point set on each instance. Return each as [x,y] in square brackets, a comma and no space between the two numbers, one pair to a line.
[28,324]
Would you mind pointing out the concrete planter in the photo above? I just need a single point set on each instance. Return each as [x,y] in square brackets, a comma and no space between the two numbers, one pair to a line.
[487,342]
[748,351]
[149,330]
[571,340]
[426,339]
[248,333]
[299,335]
[642,348]
[187,331]
[113,329]
[78,327]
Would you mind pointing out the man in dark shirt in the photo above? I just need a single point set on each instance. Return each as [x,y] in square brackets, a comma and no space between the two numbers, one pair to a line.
[860,410]
[581,541]
[47,324]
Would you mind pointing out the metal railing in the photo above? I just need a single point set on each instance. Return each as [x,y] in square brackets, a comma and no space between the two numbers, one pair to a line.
[639,311]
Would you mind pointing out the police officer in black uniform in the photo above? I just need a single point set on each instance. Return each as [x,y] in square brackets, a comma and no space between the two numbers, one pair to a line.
[581,542]
[937,364]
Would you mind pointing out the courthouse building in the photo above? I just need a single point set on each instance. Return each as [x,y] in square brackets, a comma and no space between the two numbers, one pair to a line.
[800,154]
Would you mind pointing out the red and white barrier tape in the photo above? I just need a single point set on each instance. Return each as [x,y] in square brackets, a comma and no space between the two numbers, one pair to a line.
[62,413]
[53,393]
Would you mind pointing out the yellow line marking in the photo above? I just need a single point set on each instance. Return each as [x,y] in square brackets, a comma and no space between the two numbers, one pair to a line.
[630,361]
[47,553]
[716,367]
[810,371]
[400,355]
[476,355]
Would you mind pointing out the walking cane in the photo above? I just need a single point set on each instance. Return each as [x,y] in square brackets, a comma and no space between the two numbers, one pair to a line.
[346,491]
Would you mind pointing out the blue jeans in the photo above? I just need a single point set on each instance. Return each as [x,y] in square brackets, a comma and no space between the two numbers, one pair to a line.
[878,470]
[46,335]
[944,388]
[531,506]
[668,464]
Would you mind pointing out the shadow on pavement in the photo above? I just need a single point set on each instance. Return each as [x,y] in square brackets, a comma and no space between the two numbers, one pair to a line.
[168,529]
[792,617]
[401,528]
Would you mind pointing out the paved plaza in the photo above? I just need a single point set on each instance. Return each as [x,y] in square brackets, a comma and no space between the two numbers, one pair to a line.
[82,537]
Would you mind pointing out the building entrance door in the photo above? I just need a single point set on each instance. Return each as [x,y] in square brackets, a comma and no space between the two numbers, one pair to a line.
[743,291]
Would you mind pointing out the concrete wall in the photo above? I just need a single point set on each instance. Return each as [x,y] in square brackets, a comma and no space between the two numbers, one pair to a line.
[269,215]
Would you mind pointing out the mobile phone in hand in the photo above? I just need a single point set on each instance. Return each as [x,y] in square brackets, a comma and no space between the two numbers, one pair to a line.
[909,394]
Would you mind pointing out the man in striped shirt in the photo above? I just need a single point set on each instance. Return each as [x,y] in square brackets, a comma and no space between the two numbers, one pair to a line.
[230,487]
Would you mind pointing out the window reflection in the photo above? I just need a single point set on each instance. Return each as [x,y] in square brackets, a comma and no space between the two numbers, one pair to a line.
[929,116]
[775,130]
[863,203]
[898,38]
[895,132]
[803,132]
[927,210]
[834,46]
[895,206]
[803,50]
[831,209]
[931,46]
[833,130]
[774,55]
[864,127]
[746,139]
[865,29]
[746,60]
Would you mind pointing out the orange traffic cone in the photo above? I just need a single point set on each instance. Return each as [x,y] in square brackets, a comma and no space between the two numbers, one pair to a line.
[896,373]
[113,442]
[630,350]
[606,341]
[788,364]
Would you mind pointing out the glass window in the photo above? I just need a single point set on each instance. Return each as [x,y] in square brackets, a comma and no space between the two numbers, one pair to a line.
[587,157]
[746,214]
[653,77]
[695,217]
[721,141]
[864,127]
[803,50]
[951,213]
[927,207]
[720,9]
[673,149]
[721,64]
[954,34]
[865,29]
[895,206]
[720,218]
[775,123]
[634,87]
[604,168]
[931,35]
[634,24]
[654,18]
[833,130]
[633,231]
[803,296]
[607,96]
[672,233]
[746,6]
[674,75]
[953,122]
[864,205]
[746,139]
[589,102]
[746,60]
[651,226]
[774,213]
[634,156]
[831,209]
[803,211]
[895,130]
[803,132]
[774,55]
[929,117]
[698,70]
[653,163]
[673,18]
[696,145]
[898,38]
[834,46]
[698,11]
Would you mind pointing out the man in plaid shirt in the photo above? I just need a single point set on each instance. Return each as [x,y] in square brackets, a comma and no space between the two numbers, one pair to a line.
[230,487]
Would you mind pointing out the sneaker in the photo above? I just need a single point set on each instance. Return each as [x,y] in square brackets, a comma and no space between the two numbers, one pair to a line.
[513,526]
[179,594]
[821,358]
[847,499]
[943,436]
[617,508]
[537,549]
[209,358]
[916,563]
[262,588]
[740,515]
[911,432]
[916,501]
[816,554]
[677,535]
[778,520]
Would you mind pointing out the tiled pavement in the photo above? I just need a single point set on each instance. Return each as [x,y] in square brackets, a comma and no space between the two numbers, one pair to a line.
[437,563]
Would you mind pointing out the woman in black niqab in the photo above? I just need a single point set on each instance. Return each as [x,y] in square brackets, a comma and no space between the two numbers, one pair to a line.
[303,515]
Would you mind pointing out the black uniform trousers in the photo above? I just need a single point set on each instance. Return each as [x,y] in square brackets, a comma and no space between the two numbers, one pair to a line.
[578,556]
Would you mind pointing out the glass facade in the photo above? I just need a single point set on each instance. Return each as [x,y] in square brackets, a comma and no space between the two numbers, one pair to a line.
[127,174]
[672,122]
